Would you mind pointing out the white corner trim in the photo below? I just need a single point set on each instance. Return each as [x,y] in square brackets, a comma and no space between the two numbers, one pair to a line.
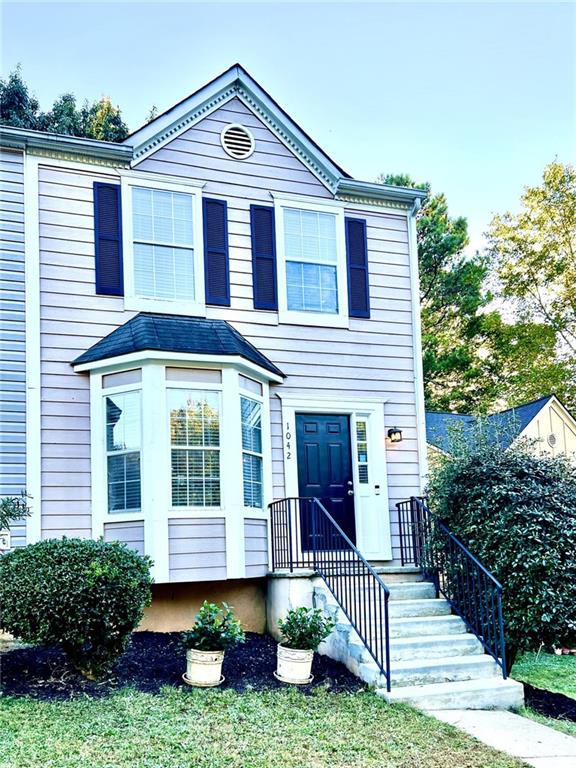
[417,349]
[33,380]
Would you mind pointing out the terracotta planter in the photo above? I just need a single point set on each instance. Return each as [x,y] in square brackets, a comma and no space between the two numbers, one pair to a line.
[294,666]
[204,668]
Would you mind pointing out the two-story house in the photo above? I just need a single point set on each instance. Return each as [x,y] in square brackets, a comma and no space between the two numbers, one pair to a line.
[200,320]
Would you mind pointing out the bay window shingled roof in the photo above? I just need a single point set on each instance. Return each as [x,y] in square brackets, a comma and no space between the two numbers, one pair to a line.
[151,331]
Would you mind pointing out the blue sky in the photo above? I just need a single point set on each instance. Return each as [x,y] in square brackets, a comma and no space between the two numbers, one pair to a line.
[474,97]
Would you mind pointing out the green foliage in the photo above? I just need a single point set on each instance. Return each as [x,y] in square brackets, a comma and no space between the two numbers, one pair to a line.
[13,508]
[534,253]
[517,513]
[86,595]
[99,120]
[548,672]
[304,628]
[17,107]
[215,629]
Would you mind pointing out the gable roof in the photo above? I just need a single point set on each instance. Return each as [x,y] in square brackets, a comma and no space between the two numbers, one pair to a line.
[503,428]
[151,331]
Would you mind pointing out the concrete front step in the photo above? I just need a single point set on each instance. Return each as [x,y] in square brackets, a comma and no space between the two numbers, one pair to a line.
[398,609]
[391,574]
[412,590]
[429,625]
[443,670]
[487,693]
[434,647]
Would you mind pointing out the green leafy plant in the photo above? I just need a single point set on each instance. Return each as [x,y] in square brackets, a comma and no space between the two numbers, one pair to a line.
[215,629]
[86,595]
[13,508]
[516,511]
[304,628]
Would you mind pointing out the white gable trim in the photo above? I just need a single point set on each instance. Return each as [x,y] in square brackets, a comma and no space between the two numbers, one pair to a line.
[234,82]
[566,415]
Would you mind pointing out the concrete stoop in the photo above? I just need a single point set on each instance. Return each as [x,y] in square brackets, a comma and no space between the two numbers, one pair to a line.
[435,662]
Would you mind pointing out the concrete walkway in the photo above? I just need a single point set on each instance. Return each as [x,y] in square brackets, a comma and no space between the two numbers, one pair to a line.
[536,744]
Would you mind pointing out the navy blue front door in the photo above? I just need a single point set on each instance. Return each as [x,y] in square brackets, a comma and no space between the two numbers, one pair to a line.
[325,467]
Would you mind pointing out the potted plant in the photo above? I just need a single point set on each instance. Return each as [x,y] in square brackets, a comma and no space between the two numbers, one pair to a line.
[214,630]
[302,630]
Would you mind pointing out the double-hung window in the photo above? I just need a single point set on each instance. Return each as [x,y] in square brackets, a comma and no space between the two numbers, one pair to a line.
[312,263]
[164,268]
[195,447]
[251,411]
[123,439]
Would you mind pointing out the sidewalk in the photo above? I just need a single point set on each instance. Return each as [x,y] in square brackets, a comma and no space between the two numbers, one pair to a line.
[536,744]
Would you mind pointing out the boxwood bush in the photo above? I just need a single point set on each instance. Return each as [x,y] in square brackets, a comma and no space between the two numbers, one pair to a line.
[86,595]
[516,511]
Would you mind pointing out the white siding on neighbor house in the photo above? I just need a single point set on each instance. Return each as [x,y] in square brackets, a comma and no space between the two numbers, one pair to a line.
[371,359]
[197,549]
[12,334]
[129,533]
[256,547]
[553,420]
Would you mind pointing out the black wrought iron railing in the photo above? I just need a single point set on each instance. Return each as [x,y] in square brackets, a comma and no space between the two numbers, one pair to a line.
[305,535]
[473,592]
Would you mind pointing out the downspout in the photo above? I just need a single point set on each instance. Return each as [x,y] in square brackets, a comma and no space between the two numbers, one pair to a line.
[417,346]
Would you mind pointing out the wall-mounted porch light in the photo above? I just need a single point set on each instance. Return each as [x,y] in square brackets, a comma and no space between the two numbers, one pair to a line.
[395,435]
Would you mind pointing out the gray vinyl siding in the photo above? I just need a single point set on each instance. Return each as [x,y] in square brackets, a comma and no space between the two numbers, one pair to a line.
[129,533]
[12,334]
[256,547]
[371,359]
[197,549]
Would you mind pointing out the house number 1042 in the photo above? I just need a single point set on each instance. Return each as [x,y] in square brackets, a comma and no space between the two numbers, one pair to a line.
[288,441]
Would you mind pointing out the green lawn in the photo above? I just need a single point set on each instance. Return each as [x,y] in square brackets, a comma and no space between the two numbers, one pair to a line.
[224,729]
[547,671]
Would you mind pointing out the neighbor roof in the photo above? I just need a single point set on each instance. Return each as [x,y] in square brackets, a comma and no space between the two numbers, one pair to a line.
[150,331]
[503,428]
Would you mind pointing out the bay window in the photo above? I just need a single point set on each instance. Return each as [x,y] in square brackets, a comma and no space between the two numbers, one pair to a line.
[123,428]
[251,412]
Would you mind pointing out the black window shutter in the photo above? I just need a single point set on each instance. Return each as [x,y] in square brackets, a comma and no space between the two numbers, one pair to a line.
[357,261]
[216,267]
[108,239]
[264,257]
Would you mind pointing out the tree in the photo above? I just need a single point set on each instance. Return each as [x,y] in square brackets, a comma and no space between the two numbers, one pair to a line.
[535,254]
[99,120]
[17,107]
[12,509]
[516,512]
[452,297]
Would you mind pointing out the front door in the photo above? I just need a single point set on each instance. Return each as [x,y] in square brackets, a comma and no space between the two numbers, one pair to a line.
[325,468]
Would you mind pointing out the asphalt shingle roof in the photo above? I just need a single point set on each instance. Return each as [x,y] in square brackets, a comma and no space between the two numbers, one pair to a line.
[502,427]
[176,333]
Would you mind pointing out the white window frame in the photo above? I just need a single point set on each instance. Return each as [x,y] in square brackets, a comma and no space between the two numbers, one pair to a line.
[147,304]
[260,400]
[126,389]
[294,317]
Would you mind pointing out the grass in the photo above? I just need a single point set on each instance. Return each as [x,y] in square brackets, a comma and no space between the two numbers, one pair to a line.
[224,729]
[547,671]
[564,726]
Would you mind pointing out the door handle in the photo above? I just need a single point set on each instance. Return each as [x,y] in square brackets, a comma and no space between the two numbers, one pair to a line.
[350,483]
[350,492]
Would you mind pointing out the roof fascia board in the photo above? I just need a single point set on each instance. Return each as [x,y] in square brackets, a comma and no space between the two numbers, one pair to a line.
[561,407]
[121,361]
[20,138]
[383,192]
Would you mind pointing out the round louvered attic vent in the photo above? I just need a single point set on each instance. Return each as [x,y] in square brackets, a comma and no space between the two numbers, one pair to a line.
[237,141]
[551,440]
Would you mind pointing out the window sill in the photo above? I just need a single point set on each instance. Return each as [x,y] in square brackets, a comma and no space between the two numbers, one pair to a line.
[165,306]
[319,319]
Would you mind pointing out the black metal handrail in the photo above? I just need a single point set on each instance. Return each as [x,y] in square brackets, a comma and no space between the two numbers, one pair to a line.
[305,535]
[473,592]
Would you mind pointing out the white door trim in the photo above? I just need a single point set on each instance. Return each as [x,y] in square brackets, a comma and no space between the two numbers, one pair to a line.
[371,508]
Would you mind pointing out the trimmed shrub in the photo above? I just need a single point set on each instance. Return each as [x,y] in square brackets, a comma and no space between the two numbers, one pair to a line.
[86,595]
[304,628]
[215,629]
[517,513]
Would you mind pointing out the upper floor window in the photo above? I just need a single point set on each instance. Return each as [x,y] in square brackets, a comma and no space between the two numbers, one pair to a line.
[312,284]
[163,250]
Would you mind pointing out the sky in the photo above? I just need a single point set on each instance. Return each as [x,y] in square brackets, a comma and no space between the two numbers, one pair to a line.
[475,98]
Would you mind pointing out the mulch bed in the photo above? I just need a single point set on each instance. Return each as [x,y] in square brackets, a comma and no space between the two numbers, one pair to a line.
[550,704]
[155,659]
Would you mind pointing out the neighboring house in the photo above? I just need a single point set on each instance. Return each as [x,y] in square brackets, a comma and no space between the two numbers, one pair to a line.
[205,318]
[546,423]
